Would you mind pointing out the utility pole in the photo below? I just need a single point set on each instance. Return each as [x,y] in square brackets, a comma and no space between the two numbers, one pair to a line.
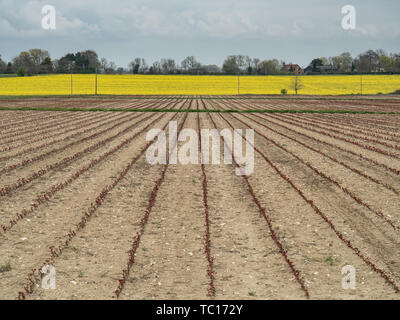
[361,85]
[95,91]
[238,83]
[71,66]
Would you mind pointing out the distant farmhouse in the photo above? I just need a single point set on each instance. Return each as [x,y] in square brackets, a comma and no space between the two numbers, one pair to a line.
[329,69]
[308,69]
[294,68]
[321,69]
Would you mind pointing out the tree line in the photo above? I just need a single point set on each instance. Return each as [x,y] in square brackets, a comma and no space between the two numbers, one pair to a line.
[38,61]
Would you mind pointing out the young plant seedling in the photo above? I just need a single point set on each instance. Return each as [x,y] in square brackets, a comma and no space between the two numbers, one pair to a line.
[5,268]
[330,260]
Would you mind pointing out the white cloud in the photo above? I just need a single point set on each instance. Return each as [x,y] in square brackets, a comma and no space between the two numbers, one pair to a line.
[178,18]
[24,21]
[174,26]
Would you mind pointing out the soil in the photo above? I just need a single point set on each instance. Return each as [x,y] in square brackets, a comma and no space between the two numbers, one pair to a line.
[296,170]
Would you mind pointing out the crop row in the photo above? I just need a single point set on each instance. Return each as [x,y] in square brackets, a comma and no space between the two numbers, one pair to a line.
[319,141]
[376,122]
[262,211]
[57,125]
[346,134]
[145,104]
[55,188]
[328,134]
[355,170]
[336,119]
[143,221]
[349,193]
[295,104]
[11,119]
[23,181]
[341,124]
[28,118]
[207,237]
[69,127]
[394,170]
[35,275]
[67,118]
[125,105]
[320,213]
[59,149]
[43,125]
[358,155]
[393,126]
[326,155]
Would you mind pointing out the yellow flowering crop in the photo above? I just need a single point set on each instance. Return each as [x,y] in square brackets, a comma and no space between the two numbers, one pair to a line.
[196,85]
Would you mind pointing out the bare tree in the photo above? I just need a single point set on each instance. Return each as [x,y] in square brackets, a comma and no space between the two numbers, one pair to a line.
[143,66]
[138,65]
[248,64]
[155,68]
[168,66]
[256,65]
[107,67]
[241,62]
[190,65]
[296,84]
[103,65]
[112,68]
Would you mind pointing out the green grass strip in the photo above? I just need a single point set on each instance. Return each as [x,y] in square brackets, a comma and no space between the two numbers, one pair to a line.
[191,110]
[350,97]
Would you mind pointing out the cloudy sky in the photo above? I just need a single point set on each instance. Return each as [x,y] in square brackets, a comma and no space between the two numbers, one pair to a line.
[119,30]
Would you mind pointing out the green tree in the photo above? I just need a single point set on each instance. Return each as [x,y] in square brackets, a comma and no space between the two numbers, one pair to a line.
[316,63]
[388,63]
[270,66]
[24,60]
[21,72]
[32,60]
[231,65]
[346,62]
[46,66]
[3,66]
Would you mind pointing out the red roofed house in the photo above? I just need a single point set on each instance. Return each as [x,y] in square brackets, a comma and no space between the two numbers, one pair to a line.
[295,68]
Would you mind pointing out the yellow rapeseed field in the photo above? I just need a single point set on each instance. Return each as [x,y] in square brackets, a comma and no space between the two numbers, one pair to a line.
[196,85]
